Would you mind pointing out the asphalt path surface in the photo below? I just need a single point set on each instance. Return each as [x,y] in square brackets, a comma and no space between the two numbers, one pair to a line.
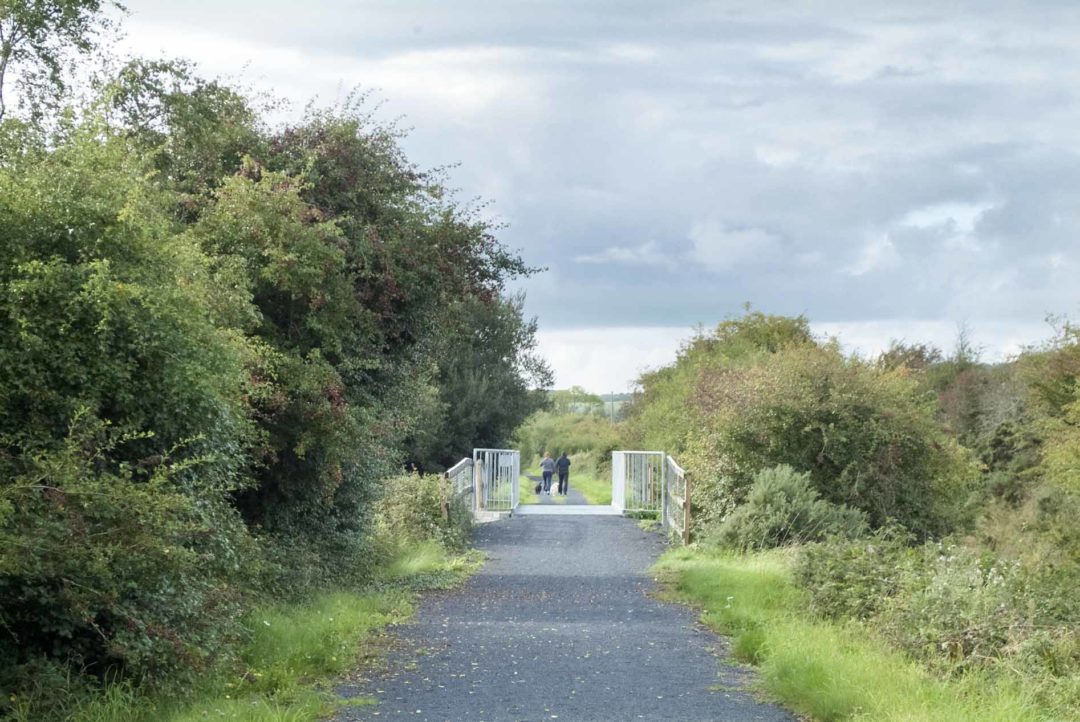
[559,624]
[573,496]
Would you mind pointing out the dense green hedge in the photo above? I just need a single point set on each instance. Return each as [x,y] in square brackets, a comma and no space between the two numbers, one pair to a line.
[966,472]
[219,339]
[760,392]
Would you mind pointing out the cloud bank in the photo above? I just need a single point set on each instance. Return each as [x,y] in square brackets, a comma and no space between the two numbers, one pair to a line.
[900,166]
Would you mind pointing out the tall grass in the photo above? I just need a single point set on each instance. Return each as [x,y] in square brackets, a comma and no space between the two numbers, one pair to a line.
[292,648]
[291,652]
[526,490]
[291,644]
[595,491]
[828,671]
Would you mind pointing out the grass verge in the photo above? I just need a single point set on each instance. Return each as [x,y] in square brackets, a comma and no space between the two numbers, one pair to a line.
[294,651]
[595,491]
[825,670]
[526,493]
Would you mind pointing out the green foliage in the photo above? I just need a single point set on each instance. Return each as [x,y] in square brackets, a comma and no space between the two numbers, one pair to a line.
[123,427]
[867,437]
[658,418]
[105,308]
[576,400]
[38,40]
[490,379]
[854,578]
[782,508]
[1055,378]
[954,608]
[571,433]
[220,339]
[110,570]
[827,670]
[994,611]
[195,131]
[414,509]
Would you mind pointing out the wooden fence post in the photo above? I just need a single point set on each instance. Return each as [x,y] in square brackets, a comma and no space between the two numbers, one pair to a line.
[478,476]
[447,493]
[686,509]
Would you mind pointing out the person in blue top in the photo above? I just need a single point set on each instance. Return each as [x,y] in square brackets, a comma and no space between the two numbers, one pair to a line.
[562,465]
[547,468]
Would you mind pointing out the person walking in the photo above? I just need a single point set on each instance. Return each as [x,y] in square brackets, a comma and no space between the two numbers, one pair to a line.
[562,465]
[547,467]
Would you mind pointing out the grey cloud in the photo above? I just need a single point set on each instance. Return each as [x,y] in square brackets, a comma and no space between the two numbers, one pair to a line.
[822,123]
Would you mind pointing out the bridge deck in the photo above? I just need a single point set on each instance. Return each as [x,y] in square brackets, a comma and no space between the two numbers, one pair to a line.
[565,510]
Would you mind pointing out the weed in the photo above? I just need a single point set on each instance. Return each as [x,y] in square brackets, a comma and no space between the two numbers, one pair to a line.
[827,670]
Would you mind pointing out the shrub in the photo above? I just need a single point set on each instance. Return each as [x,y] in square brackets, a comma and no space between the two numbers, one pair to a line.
[573,433]
[854,577]
[867,437]
[954,607]
[657,417]
[114,572]
[410,512]
[123,427]
[783,508]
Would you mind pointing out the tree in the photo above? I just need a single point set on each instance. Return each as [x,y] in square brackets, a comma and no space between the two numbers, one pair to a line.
[657,417]
[576,400]
[124,425]
[197,131]
[37,38]
[490,378]
[913,356]
[868,438]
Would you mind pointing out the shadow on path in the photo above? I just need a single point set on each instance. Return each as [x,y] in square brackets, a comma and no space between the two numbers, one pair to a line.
[559,624]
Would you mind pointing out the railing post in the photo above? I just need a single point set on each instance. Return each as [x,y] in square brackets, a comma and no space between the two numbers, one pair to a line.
[664,495]
[478,476]
[686,509]
[447,494]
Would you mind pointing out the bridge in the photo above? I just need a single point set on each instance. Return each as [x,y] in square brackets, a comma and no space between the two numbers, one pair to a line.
[642,482]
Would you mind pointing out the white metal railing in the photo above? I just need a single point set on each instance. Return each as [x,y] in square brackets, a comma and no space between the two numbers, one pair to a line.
[496,473]
[637,479]
[675,515]
[652,481]
[460,480]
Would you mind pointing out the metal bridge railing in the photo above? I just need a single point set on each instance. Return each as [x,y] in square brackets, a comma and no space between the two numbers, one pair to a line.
[675,515]
[460,480]
[496,472]
[639,480]
[651,481]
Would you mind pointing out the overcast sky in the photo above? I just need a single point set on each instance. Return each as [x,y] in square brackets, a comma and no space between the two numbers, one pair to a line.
[889,169]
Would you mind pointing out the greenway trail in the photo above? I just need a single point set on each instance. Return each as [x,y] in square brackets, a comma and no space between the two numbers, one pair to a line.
[559,624]
[573,496]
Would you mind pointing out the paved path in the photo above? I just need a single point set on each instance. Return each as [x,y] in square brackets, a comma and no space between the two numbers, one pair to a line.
[573,496]
[558,625]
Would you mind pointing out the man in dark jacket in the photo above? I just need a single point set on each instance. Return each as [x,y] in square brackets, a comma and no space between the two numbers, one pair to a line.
[562,465]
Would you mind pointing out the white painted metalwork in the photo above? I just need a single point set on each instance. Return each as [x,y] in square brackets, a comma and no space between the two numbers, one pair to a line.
[652,481]
[637,480]
[460,478]
[495,479]
[675,516]
[566,510]
[618,481]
